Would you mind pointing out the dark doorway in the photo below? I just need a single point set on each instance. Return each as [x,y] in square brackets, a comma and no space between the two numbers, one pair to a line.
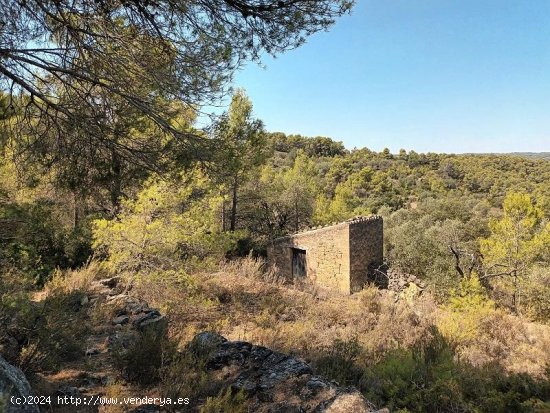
[299,268]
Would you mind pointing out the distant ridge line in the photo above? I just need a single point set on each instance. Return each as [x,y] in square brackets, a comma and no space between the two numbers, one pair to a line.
[528,155]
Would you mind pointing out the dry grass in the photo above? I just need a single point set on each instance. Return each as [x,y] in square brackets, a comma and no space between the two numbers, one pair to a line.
[76,280]
[238,303]
[282,317]
[115,391]
[343,337]
[254,268]
[516,344]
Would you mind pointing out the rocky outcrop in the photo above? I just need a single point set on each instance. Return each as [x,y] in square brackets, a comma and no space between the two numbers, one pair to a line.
[14,383]
[399,281]
[273,381]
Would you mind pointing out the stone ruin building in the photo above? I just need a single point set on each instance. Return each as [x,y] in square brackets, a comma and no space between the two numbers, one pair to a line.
[339,257]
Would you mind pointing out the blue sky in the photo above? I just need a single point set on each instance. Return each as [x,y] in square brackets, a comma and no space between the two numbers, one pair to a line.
[429,75]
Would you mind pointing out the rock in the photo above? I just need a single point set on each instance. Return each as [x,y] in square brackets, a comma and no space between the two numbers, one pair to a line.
[122,319]
[110,282]
[94,380]
[121,311]
[411,292]
[122,340]
[404,284]
[84,300]
[157,325]
[14,383]
[144,317]
[136,307]
[348,402]
[229,353]
[108,287]
[113,298]
[315,385]
[69,391]
[151,321]
[273,381]
[205,343]
[93,351]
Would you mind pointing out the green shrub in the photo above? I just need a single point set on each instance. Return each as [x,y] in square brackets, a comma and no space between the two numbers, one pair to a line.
[54,332]
[536,295]
[226,401]
[40,241]
[339,361]
[428,378]
[186,376]
[170,222]
[468,306]
[49,331]
[142,360]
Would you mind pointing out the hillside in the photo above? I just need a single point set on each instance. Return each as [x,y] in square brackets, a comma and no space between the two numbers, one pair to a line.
[533,155]
[162,251]
[192,245]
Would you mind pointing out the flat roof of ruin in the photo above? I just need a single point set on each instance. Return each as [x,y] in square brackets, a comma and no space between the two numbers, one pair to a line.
[334,225]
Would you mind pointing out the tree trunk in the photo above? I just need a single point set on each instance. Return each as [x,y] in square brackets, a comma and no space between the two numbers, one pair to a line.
[223,214]
[296,222]
[234,206]
[516,296]
[76,215]
[116,182]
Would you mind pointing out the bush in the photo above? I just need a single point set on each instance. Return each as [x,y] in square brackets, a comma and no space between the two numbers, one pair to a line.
[35,242]
[468,306]
[428,378]
[142,360]
[68,281]
[339,362]
[40,241]
[170,223]
[47,332]
[52,331]
[186,376]
[226,401]
[536,298]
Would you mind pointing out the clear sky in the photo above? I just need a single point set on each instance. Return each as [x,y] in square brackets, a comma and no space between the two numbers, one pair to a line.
[429,75]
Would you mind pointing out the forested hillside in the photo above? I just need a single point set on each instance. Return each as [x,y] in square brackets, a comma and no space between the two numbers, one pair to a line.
[474,228]
[257,186]
[134,224]
[534,155]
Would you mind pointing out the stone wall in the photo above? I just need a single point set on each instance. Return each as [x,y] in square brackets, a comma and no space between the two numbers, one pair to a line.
[327,256]
[337,256]
[366,249]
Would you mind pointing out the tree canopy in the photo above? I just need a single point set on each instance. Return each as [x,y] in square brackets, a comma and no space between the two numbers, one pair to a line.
[63,55]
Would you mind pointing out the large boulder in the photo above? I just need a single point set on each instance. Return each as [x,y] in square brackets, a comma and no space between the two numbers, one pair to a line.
[13,383]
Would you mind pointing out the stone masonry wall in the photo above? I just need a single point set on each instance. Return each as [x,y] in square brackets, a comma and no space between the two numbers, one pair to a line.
[337,256]
[366,249]
[327,256]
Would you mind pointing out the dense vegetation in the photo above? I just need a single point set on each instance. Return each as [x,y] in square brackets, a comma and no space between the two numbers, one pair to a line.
[474,227]
[104,172]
